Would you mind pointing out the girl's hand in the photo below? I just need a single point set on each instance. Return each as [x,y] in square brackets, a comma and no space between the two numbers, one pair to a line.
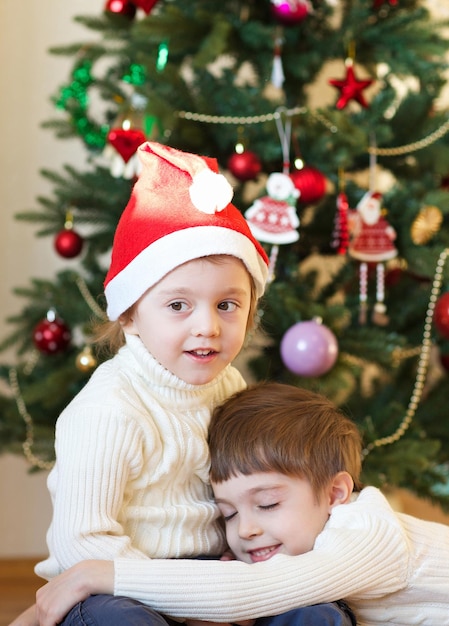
[55,599]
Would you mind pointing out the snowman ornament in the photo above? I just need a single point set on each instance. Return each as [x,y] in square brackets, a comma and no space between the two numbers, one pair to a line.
[272,218]
[372,240]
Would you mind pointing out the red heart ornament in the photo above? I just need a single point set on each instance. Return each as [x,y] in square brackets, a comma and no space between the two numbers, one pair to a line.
[145,5]
[126,142]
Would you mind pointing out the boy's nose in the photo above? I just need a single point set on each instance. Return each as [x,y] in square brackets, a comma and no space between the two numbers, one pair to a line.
[248,528]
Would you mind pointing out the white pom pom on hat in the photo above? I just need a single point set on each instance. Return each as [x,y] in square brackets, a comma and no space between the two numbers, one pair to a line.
[180,209]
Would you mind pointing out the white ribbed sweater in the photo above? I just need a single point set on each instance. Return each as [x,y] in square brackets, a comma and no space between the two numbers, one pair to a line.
[390,567]
[131,477]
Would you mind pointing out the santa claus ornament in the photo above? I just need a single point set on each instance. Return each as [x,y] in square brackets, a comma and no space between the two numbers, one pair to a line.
[372,240]
[272,218]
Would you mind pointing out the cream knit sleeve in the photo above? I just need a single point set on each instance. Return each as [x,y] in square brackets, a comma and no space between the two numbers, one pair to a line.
[96,456]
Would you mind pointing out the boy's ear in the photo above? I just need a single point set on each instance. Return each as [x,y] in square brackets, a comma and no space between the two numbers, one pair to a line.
[340,489]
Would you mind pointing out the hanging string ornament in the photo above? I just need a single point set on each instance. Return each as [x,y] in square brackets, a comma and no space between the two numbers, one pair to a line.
[68,243]
[290,12]
[273,89]
[272,218]
[426,224]
[350,87]
[51,335]
[124,8]
[371,242]
[340,235]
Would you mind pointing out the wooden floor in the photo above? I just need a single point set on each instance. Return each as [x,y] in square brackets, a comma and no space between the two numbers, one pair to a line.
[18,585]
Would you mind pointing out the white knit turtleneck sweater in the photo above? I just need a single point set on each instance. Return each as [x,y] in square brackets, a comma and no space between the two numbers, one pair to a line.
[131,475]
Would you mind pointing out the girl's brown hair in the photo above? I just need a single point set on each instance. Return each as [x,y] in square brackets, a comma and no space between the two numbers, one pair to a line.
[286,429]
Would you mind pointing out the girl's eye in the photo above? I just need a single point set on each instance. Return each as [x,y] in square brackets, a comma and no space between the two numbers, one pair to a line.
[178,306]
[228,518]
[227,306]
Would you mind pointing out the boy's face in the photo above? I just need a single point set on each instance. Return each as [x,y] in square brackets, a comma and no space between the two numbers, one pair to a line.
[194,320]
[268,513]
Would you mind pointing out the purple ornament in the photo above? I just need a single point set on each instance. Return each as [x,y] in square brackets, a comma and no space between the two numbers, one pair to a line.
[309,349]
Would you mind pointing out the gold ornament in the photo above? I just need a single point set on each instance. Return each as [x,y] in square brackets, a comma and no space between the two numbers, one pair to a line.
[85,361]
[426,224]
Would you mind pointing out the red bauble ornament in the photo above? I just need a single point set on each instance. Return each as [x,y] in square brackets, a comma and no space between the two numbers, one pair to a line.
[121,7]
[145,5]
[444,360]
[378,3]
[51,335]
[245,165]
[350,87]
[441,315]
[126,141]
[311,184]
[290,12]
[68,243]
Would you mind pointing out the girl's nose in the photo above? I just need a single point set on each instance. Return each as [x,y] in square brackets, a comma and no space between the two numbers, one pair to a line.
[206,323]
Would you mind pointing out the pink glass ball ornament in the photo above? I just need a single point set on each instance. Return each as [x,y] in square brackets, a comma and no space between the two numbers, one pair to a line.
[309,349]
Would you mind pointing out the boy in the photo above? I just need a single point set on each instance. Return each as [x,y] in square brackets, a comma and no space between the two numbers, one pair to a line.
[285,469]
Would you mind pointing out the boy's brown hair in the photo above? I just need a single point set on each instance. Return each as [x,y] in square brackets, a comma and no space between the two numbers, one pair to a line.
[281,428]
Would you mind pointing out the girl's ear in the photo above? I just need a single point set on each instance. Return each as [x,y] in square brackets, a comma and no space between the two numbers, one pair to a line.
[340,489]
[127,324]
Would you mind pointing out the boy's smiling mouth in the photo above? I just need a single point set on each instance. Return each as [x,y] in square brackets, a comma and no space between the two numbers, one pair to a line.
[262,554]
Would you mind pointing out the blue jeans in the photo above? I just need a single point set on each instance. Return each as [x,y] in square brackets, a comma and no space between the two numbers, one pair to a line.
[105,610]
[331,614]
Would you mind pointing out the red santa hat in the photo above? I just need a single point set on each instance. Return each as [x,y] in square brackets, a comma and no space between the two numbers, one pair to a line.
[180,209]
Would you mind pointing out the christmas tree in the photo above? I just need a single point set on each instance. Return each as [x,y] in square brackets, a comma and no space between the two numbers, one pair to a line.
[328,119]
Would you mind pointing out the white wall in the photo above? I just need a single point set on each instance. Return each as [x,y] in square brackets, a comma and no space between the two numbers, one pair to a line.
[28,77]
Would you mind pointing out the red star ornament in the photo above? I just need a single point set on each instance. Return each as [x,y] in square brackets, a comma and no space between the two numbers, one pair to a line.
[350,88]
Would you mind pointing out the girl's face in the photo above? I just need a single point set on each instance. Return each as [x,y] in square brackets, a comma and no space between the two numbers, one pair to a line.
[194,320]
[269,513]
